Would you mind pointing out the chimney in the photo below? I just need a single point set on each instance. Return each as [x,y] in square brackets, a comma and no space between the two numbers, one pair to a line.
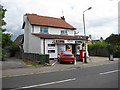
[63,18]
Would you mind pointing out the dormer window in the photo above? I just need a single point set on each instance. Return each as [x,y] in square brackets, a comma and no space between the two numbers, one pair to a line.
[43,29]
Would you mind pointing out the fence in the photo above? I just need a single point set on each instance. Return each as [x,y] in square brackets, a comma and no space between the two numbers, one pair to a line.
[41,58]
[100,51]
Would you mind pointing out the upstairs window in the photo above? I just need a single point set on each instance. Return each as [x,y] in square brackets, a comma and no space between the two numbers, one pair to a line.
[43,29]
[64,32]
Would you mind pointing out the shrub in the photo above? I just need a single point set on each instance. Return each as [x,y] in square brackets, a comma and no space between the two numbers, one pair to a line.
[104,49]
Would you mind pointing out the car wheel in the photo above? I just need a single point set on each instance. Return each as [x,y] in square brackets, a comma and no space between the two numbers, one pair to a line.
[73,62]
[58,59]
[60,62]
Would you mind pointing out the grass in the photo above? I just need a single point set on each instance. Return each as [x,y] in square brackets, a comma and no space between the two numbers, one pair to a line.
[35,64]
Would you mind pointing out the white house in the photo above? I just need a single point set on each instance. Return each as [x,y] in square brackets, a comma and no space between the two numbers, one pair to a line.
[49,35]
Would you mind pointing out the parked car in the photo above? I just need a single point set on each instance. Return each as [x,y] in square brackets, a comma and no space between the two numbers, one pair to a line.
[66,56]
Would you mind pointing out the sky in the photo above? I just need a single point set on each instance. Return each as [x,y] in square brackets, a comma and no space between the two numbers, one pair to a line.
[101,20]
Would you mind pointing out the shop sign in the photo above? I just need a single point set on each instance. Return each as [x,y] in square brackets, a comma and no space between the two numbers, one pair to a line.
[78,42]
[59,41]
[51,48]
[69,41]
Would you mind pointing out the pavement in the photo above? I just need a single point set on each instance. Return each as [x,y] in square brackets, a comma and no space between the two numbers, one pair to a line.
[14,67]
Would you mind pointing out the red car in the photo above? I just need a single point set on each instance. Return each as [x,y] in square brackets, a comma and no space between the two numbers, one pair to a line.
[66,56]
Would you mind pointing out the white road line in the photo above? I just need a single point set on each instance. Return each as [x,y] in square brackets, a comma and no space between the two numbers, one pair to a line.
[54,63]
[46,84]
[109,72]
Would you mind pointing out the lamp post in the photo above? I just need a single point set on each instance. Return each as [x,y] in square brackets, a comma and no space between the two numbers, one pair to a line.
[85,56]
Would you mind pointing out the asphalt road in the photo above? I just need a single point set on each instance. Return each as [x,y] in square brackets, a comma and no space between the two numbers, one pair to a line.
[105,76]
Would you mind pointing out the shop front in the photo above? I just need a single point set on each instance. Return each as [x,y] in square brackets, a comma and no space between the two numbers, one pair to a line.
[71,45]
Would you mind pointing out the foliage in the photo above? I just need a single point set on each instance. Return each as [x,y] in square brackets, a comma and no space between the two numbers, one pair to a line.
[111,44]
[113,39]
[5,38]
[2,15]
[98,44]
[13,48]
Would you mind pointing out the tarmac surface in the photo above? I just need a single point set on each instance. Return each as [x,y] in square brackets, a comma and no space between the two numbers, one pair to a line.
[14,67]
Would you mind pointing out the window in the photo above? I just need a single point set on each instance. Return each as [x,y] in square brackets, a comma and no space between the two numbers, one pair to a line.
[66,32]
[51,51]
[43,29]
[51,45]
[67,53]
[63,32]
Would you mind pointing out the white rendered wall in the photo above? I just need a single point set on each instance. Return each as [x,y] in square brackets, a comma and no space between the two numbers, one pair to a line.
[54,31]
[26,34]
[32,44]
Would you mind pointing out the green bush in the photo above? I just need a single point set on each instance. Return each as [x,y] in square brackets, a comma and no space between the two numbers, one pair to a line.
[111,49]
[13,49]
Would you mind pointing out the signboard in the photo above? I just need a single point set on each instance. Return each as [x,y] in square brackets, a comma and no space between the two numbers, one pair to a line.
[70,41]
[78,42]
[51,48]
[59,41]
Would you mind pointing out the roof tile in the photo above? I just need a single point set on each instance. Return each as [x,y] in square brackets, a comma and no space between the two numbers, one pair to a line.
[48,21]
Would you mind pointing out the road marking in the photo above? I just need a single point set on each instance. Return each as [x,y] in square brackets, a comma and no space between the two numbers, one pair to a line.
[38,73]
[46,84]
[54,63]
[109,72]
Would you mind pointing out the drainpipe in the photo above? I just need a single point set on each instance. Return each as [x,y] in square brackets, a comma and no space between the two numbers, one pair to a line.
[44,45]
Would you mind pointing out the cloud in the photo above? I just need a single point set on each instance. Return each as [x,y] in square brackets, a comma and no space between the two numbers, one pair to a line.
[101,20]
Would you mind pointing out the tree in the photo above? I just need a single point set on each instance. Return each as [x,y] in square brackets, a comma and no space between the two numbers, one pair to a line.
[5,38]
[113,39]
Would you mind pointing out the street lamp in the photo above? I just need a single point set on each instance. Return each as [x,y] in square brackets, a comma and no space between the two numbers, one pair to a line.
[85,59]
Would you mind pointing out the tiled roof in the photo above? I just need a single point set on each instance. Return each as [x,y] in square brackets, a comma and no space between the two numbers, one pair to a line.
[19,39]
[49,36]
[35,19]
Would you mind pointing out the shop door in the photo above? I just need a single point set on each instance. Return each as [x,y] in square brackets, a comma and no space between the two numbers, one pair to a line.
[61,48]
[74,49]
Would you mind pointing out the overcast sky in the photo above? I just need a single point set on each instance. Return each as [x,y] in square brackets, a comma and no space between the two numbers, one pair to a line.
[101,20]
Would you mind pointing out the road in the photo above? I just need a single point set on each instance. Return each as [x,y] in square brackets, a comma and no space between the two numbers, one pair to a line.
[105,76]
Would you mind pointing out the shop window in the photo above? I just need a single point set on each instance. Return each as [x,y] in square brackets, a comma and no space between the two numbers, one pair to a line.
[51,51]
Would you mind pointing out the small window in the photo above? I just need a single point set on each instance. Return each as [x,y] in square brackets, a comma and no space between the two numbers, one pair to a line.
[62,32]
[43,29]
[66,32]
[51,51]
[51,45]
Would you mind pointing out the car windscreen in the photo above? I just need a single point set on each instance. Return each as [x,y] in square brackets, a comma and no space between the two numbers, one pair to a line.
[67,53]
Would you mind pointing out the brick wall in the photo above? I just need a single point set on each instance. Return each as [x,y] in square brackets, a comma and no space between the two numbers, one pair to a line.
[35,57]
